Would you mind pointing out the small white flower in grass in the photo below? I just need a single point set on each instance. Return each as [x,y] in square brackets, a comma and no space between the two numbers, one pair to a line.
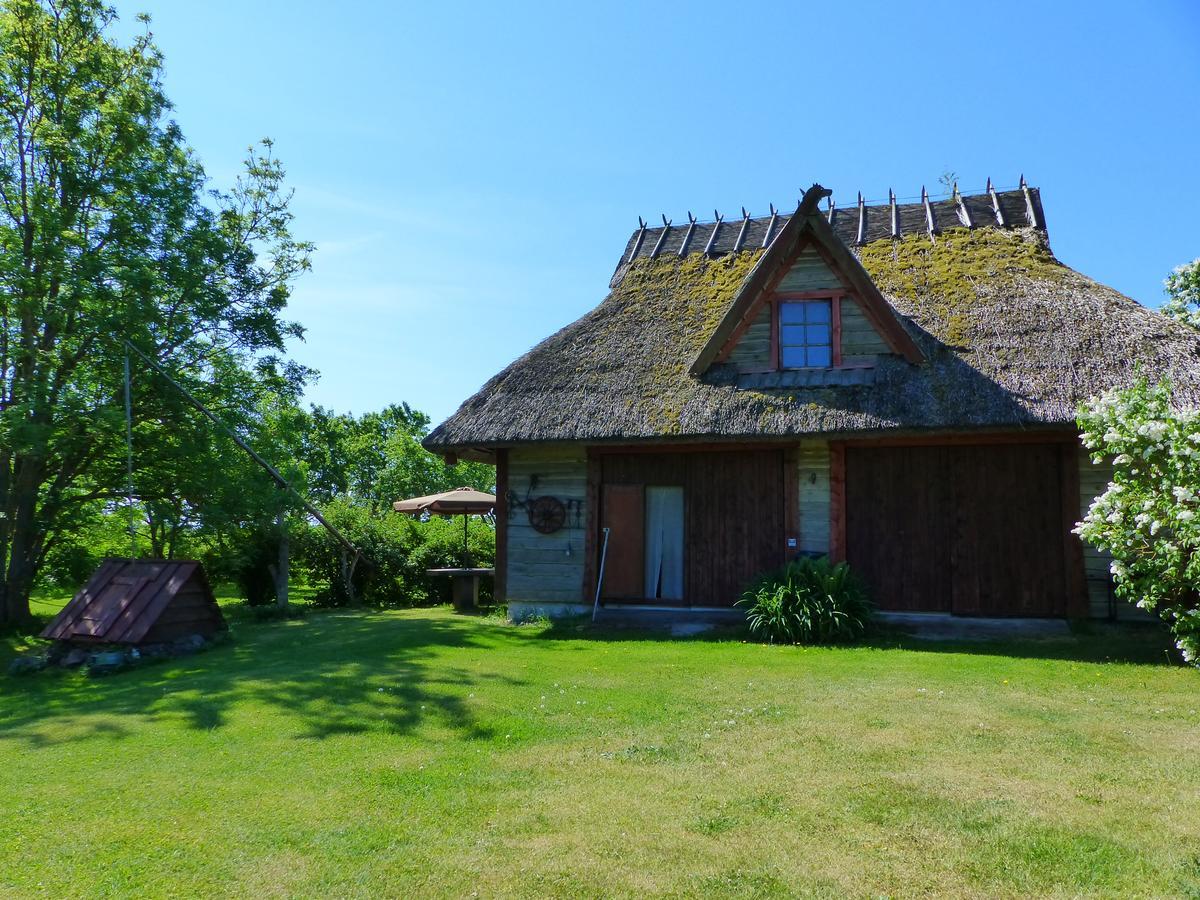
[1185,515]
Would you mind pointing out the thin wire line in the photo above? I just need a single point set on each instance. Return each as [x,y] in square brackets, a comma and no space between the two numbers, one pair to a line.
[129,462]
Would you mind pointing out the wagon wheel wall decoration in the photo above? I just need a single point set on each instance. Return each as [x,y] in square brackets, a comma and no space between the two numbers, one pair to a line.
[546,514]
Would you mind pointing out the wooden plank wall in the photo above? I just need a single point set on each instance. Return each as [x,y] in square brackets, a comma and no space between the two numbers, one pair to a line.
[189,612]
[1093,481]
[752,352]
[809,273]
[547,567]
[813,483]
[861,343]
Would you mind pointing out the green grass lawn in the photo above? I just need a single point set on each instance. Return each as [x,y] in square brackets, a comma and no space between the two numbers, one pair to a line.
[418,752]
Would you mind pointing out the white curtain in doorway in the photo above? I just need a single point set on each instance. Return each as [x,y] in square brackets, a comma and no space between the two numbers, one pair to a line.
[664,543]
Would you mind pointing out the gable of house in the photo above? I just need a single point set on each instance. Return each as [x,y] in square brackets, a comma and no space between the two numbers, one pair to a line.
[855,341]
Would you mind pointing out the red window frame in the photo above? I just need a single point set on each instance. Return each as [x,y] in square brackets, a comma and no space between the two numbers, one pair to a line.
[835,337]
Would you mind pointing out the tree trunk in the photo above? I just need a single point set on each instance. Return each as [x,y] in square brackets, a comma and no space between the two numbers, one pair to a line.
[348,578]
[23,544]
[281,568]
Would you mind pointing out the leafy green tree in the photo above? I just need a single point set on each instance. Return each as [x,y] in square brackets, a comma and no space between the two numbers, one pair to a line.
[377,458]
[1183,294]
[1149,518]
[109,231]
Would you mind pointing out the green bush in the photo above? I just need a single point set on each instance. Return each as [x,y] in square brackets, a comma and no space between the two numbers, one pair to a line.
[809,601]
[396,552]
[250,565]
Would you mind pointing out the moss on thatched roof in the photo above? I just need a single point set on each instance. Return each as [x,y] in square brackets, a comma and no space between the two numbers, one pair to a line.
[1013,339]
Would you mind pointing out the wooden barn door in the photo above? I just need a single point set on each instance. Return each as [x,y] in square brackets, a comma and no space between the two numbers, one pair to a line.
[898,508]
[1008,531]
[735,522]
[973,530]
[733,514]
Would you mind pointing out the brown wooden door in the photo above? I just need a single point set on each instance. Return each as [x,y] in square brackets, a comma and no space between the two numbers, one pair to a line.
[622,512]
[973,530]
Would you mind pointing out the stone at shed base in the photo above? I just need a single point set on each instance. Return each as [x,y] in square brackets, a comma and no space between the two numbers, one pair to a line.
[75,657]
[106,662]
[190,643]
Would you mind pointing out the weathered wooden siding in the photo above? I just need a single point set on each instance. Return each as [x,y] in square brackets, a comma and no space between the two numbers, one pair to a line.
[547,567]
[975,530]
[752,353]
[861,343]
[1093,481]
[809,273]
[814,496]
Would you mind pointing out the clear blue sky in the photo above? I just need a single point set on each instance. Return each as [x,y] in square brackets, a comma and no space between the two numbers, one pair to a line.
[470,172]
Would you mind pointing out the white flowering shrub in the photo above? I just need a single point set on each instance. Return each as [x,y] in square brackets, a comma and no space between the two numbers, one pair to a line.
[1183,294]
[1149,518]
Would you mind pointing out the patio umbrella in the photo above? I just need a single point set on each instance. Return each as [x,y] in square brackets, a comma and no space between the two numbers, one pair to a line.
[463,501]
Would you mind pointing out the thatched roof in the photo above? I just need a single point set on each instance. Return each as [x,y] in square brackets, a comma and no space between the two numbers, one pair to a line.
[1011,337]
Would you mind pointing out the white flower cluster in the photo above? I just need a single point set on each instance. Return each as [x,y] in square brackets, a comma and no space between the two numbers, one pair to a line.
[1147,518]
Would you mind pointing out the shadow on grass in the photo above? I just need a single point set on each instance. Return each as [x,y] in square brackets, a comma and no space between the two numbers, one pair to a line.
[1089,642]
[335,673]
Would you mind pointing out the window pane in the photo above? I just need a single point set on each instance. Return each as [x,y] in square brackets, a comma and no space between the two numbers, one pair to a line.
[790,313]
[819,356]
[817,334]
[792,357]
[818,311]
[791,335]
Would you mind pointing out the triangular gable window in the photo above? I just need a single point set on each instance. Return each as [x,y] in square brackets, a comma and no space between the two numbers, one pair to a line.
[807,304]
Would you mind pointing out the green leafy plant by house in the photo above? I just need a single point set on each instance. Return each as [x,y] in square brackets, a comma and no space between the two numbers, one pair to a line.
[1149,518]
[809,601]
